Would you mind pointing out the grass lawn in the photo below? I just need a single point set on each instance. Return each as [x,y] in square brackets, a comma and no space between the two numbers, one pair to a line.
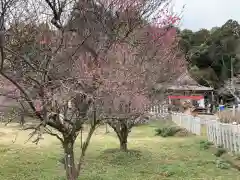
[151,158]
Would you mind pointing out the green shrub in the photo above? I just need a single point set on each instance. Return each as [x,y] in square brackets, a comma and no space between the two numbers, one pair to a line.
[205,144]
[222,164]
[237,157]
[220,151]
[167,131]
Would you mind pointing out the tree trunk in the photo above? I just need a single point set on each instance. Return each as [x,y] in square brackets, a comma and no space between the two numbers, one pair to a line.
[69,159]
[123,145]
[122,133]
[106,128]
[22,114]
[22,118]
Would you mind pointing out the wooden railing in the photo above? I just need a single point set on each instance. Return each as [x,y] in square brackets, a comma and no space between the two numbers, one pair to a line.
[220,134]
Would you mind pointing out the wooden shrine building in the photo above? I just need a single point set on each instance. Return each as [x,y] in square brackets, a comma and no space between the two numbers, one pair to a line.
[185,88]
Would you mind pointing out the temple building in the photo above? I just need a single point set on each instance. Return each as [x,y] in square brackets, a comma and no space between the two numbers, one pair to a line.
[185,88]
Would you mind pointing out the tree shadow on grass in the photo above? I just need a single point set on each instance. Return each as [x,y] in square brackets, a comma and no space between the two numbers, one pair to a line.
[120,158]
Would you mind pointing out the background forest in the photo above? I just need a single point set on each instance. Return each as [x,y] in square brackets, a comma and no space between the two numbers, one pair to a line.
[213,55]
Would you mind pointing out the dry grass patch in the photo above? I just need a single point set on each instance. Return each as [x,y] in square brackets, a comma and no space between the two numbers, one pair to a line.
[227,116]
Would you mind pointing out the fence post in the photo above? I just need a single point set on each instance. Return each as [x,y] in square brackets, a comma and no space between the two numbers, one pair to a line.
[180,123]
[238,142]
[223,136]
[215,133]
[235,143]
[198,126]
[218,134]
[208,132]
[231,140]
[189,121]
[227,138]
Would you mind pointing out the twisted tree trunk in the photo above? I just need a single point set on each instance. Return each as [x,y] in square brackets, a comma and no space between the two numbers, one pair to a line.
[123,145]
[122,132]
[123,135]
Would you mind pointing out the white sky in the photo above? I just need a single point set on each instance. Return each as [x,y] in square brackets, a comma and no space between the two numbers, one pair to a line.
[207,13]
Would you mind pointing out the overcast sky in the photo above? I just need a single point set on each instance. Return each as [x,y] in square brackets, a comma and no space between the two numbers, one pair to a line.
[207,13]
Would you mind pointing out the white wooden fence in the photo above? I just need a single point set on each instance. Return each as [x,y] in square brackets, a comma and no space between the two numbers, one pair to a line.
[220,134]
[188,122]
[159,110]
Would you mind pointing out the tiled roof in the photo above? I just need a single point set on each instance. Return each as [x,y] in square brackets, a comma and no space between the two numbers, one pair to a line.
[186,79]
[186,82]
[190,87]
